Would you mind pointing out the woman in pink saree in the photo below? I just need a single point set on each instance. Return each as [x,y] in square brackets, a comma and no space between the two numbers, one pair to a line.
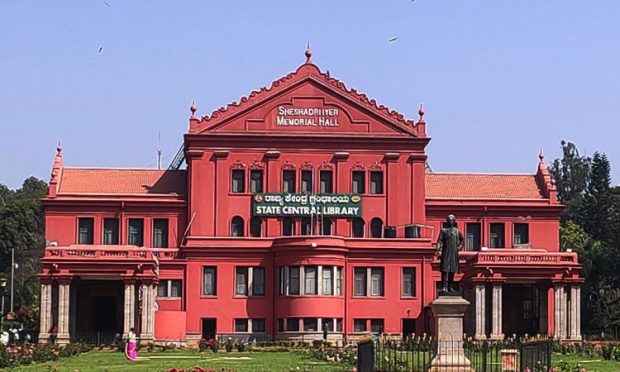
[131,348]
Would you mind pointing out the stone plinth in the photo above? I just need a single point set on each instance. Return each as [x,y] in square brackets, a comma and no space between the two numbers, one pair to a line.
[449,312]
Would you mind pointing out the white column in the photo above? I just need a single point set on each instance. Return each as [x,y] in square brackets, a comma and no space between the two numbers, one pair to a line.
[480,293]
[148,312]
[560,313]
[496,316]
[46,312]
[250,282]
[575,312]
[334,281]
[129,307]
[319,281]
[64,292]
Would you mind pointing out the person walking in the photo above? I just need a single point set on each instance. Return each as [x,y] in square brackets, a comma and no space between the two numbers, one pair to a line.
[131,348]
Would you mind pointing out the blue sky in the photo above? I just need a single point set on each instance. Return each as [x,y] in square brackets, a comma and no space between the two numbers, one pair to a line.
[499,79]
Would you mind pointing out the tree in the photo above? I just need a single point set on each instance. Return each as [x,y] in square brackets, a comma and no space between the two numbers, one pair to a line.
[570,173]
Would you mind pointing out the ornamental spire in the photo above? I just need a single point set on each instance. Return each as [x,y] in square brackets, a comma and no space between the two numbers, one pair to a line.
[308,53]
[421,113]
[541,155]
[193,108]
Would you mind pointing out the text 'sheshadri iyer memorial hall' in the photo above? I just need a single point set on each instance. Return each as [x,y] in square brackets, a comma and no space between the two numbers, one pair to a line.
[304,207]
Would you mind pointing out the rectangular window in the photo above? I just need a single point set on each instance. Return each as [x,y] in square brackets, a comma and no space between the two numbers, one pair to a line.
[497,235]
[328,272]
[310,325]
[473,236]
[281,324]
[136,232]
[256,180]
[358,184]
[169,288]
[288,181]
[238,180]
[327,323]
[86,230]
[241,325]
[359,325]
[293,280]
[376,182]
[160,233]
[409,281]
[241,281]
[339,281]
[175,288]
[339,325]
[292,324]
[258,325]
[258,281]
[360,281]
[287,226]
[162,288]
[306,226]
[376,281]
[521,233]
[209,281]
[376,325]
[310,282]
[110,231]
[327,181]
[306,181]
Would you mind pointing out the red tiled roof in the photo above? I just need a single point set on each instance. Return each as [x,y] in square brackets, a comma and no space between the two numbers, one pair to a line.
[121,181]
[482,186]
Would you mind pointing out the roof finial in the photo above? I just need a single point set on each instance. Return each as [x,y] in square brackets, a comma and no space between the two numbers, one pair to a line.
[308,53]
[421,112]
[193,108]
[58,149]
[541,155]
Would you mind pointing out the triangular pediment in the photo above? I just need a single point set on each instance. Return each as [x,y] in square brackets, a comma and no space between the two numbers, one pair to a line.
[307,101]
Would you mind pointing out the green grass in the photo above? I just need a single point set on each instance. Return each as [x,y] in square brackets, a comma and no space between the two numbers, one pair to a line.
[161,361]
[595,365]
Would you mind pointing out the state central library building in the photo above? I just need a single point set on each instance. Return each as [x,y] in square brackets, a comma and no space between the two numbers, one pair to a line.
[303,207]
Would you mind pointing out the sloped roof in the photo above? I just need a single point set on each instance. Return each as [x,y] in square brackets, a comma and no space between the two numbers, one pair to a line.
[121,181]
[482,186]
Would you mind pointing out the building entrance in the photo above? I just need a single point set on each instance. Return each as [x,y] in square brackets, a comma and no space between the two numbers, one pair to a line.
[99,304]
[520,307]
[208,328]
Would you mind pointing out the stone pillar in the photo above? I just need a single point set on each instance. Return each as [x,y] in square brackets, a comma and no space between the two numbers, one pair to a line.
[129,315]
[575,312]
[46,311]
[480,311]
[148,311]
[64,301]
[73,310]
[496,313]
[449,312]
[560,313]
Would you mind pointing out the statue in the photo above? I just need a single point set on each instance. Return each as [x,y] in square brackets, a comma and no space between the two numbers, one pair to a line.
[449,243]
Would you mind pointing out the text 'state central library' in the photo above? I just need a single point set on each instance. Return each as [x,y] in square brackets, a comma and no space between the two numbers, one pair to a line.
[304,207]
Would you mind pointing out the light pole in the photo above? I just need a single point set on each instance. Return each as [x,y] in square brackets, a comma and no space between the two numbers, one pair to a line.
[12,276]
[2,289]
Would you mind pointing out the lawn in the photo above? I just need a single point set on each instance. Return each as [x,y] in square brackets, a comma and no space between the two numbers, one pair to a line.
[597,365]
[162,361]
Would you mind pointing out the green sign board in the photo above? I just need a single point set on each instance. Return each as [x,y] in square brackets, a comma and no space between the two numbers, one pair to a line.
[300,205]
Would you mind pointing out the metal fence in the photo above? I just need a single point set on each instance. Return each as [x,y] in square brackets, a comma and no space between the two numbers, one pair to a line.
[415,355]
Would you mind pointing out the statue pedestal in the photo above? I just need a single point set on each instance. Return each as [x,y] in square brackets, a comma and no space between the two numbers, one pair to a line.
[449,312]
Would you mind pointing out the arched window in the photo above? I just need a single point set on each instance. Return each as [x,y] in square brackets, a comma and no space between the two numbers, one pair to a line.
[357,228]
[326,226]
[376,228]
[256,227]
[236,226]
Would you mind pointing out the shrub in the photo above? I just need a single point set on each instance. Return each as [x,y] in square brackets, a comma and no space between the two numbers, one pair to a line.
[241,346]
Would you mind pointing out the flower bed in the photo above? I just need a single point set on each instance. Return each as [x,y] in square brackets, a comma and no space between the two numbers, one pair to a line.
[11,356]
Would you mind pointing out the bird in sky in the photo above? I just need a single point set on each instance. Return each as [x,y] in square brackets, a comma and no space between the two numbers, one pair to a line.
[392,39]
[100,49]
[108,4]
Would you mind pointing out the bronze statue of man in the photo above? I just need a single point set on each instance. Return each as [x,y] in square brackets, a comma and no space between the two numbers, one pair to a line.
[449,243]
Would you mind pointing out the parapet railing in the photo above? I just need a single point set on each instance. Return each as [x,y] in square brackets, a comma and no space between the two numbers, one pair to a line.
[509,256]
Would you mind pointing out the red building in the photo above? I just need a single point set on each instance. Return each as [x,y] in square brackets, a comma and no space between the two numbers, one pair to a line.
[304,206]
